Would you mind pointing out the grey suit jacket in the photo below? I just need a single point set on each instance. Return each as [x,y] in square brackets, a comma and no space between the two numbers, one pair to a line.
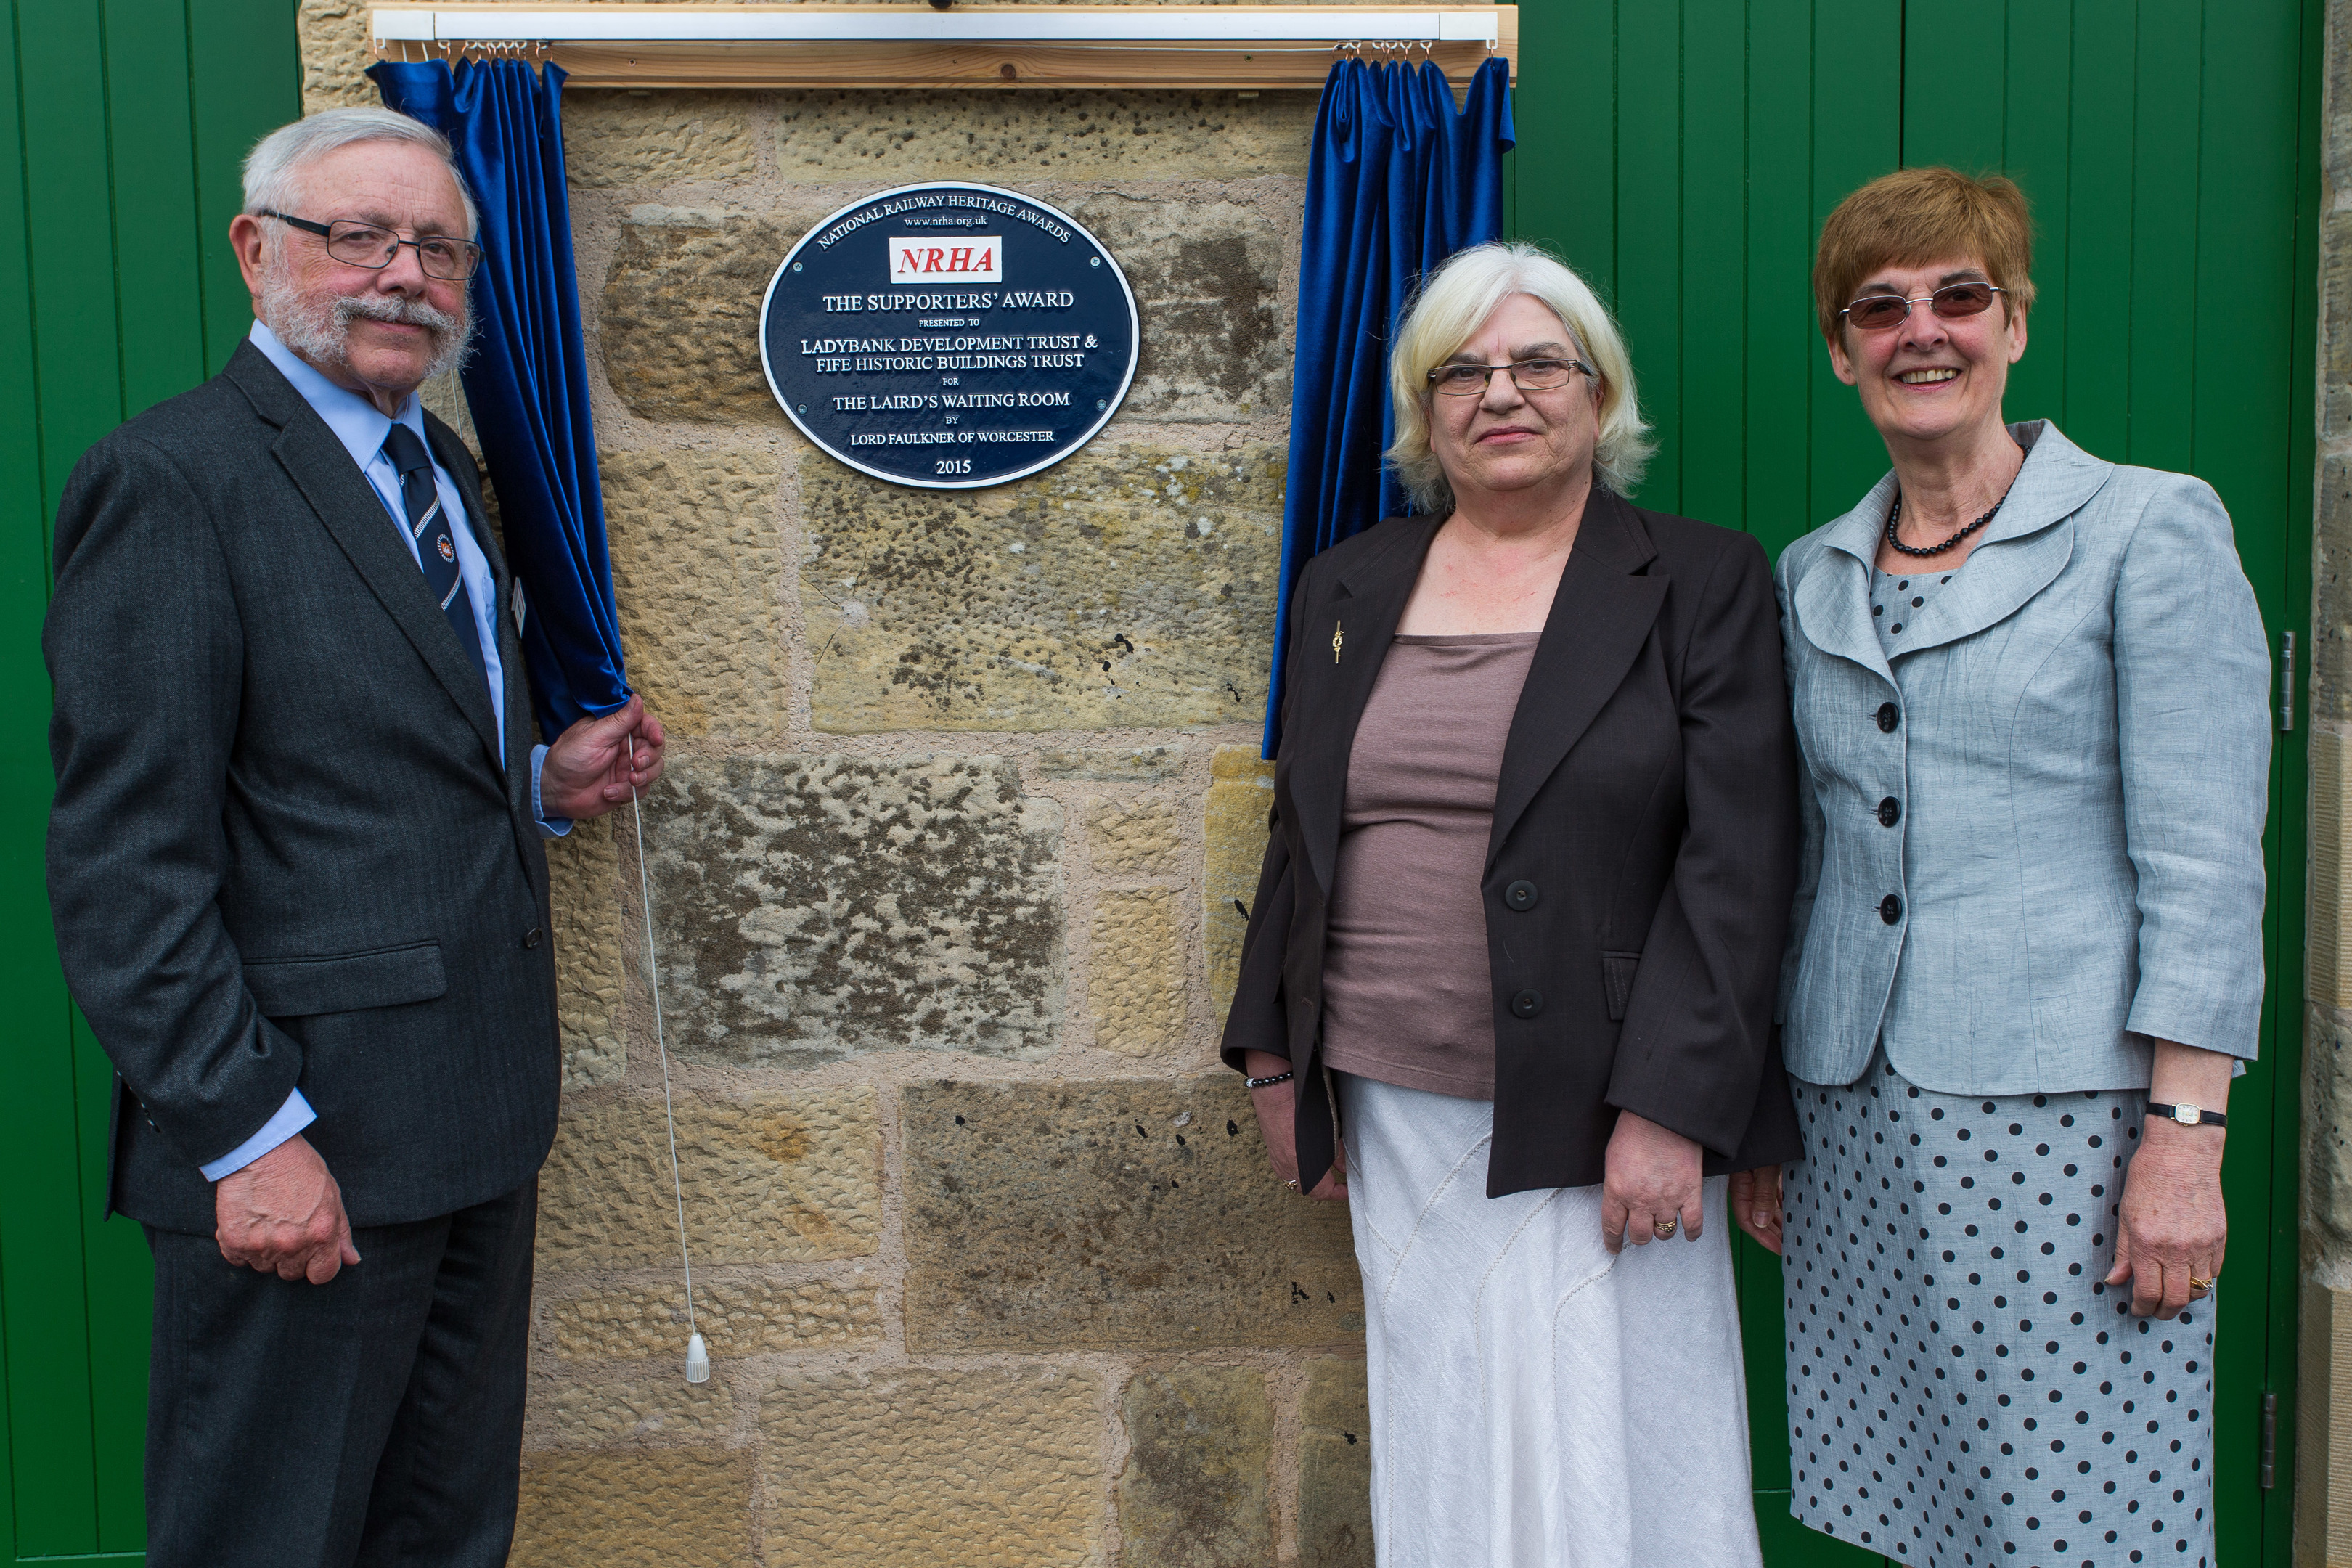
[2077,743]
[284,851]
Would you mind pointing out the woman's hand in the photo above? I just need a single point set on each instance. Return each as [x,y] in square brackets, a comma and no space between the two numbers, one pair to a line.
[1756,1205]
[1277,1123]
[1653,1180]
[2174,1228]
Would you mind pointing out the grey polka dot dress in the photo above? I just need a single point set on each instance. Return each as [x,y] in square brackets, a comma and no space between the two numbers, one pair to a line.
[1962,1388]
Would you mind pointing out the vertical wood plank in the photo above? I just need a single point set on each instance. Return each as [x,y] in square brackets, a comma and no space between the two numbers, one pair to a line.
[1955,53]
[2036,114]
[1649,226]
[245,58]
[1710,337]
[1857,135]
[2097,218]
[1565,108]
[152,161]
[2166,190]
[1781,343]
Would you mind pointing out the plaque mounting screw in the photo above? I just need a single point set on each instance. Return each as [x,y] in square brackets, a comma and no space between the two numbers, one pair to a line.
[1102,403]
[1094,261]
[805,408]
[796,267]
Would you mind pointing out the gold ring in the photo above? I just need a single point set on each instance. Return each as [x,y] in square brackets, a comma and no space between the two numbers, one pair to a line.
[2196,1284]
[1663,1228]
[1292,1184]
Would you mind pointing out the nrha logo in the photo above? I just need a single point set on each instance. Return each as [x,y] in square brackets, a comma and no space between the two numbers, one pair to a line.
[968,259]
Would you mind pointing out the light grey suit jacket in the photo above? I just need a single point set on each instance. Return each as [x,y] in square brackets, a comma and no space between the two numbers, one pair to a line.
[2078,745]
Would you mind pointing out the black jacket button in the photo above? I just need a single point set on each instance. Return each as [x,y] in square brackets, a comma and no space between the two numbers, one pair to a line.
[1888,717]
[533,937]
[1527,1003]
[1521,894]
[1890,812]
[1890,909]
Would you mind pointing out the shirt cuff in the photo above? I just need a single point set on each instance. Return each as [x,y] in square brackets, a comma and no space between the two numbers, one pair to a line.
[549,827]
[291,1118]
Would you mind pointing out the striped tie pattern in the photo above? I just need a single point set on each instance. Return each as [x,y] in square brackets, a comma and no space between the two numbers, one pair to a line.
[437,550]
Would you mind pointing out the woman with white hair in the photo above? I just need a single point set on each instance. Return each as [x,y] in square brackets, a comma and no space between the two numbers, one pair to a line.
[1516,942]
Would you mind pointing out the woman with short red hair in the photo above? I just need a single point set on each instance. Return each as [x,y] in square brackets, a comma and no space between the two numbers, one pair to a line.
[2031,692]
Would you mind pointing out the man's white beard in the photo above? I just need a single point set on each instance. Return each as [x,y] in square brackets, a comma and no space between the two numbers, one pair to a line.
[318,327]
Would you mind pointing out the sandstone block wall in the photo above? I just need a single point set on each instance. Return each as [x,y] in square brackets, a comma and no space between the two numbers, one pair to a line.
[2323,1381]
[948,875]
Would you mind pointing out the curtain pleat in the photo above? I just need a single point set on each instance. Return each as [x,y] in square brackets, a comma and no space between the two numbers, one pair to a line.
[1397,180]
[527,381]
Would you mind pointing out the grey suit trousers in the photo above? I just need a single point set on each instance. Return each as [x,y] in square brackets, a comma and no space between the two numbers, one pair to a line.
[371,1421]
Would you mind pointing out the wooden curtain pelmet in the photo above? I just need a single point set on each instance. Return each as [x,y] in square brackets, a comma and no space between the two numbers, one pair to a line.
[1245,48]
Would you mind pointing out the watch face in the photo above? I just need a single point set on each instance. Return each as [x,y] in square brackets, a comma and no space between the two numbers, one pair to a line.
[2185,1114]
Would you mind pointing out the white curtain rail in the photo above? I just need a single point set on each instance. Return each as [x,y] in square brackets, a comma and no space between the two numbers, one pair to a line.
[1324,25]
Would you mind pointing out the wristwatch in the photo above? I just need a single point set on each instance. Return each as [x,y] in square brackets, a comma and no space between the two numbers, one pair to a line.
[2188,1115]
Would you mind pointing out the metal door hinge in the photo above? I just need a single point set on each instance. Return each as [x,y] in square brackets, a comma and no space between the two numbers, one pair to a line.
[2270,1431]
[2286,681]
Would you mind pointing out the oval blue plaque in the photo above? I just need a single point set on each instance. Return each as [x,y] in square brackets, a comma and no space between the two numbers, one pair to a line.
[948,335]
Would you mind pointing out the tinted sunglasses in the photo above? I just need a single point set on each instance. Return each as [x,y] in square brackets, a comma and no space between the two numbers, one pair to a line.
[1954,302]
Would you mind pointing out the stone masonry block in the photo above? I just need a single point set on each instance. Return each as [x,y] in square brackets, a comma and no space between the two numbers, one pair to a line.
[1241,794]
[621,139]
[770,1178]
[2323,1421]
[1205,275]
[659,1507]
[2328,683]
[900,138]
[1132,839]
[337,50]
[2335,326]
[567,1410]
[1335,1468]
[1135,993]
[584,873]
[1195,1492]
[923,1468]
[813,908]
[2327,1124]
[1110,764]
[2327,971]
[680,320]
[695,558]
[1136,1216]
[1124,586]
[737,1317]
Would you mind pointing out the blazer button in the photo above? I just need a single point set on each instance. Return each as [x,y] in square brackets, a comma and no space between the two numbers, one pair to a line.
[1888,717]
[1890,909]
[533,937]
[1527,1003]
[1521,894]
[1890,812]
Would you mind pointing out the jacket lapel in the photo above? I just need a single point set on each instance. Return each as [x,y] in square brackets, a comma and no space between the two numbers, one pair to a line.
[1361,611]
[2024,548]
[1832,601]
[1600,615]
[348,506]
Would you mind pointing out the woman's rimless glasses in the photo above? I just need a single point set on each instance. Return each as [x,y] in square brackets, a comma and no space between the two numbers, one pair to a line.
[1527,375]
[1954,302]
[366,245]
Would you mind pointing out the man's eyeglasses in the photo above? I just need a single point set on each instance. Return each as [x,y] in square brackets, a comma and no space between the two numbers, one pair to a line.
[359,243]
[1527,375]
[1954,302]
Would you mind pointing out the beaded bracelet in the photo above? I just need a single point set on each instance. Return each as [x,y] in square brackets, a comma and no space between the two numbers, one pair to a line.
[1267,1082]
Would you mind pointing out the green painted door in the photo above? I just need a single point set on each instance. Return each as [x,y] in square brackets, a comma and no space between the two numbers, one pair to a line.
[1683,154]
[123,123]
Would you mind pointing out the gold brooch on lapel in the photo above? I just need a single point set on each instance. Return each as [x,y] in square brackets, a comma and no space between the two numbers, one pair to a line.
[1335,642]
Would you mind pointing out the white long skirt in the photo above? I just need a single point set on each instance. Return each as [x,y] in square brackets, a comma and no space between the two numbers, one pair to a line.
[1535,1402]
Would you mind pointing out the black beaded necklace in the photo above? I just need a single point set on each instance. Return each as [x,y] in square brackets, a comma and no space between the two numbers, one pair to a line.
[1895,516]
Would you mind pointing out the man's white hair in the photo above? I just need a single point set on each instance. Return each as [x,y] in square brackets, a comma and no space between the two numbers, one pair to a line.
[273,169]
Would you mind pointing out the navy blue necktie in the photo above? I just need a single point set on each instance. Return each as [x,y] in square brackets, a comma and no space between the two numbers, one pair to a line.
[437,548]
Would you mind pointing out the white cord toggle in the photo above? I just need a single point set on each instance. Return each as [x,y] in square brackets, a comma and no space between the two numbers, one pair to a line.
[698,1354]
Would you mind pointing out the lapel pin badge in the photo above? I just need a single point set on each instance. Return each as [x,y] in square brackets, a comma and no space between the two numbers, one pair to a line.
[1336,639]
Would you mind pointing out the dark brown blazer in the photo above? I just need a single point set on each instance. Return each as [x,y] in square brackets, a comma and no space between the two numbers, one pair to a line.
[1643,852]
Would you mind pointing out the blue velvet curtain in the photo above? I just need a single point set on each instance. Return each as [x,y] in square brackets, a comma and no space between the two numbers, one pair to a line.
[526,381]
[1397,181]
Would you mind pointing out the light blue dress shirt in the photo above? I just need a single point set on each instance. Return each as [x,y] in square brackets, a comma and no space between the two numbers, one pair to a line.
[362,427]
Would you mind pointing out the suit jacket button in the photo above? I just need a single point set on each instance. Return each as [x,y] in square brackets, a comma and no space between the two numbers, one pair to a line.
[1890,909]
[1888,717]
[1527,1003]
[533,937]
[1521,894]
[1890,812]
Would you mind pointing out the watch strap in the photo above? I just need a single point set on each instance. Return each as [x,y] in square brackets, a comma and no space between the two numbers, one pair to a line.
[2186,1115]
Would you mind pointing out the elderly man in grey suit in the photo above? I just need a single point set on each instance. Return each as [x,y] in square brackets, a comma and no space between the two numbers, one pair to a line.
[299,887]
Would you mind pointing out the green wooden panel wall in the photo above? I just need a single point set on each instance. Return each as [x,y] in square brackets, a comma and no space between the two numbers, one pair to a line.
[122,126]
[1683,154]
